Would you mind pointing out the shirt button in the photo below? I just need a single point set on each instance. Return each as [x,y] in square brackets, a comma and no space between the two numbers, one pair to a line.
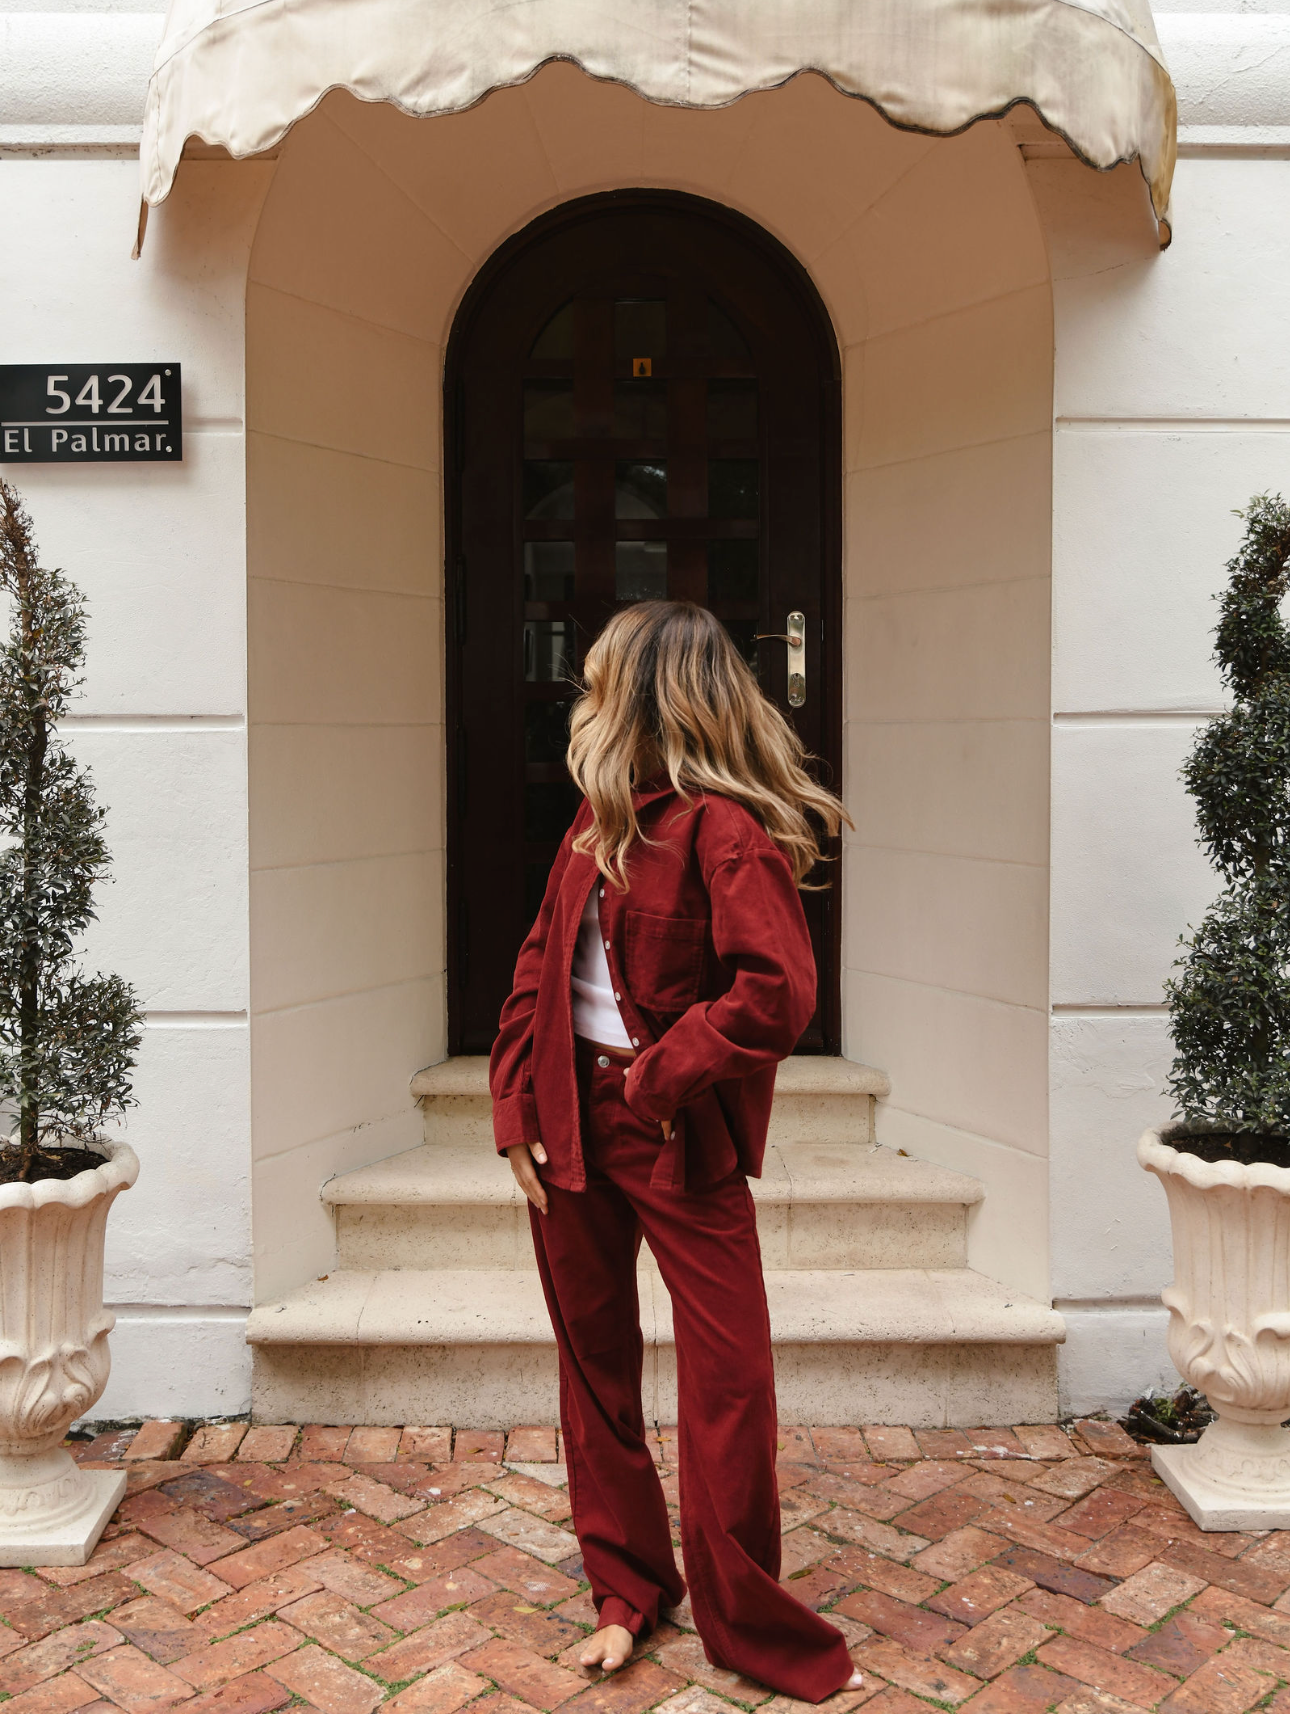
[636,1041]
[606,946]
[617,995]
[602,892]
[602,1060]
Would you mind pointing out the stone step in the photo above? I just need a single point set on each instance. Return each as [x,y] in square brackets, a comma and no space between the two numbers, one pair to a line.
[931,1347]
[818,1206]
[817,1100]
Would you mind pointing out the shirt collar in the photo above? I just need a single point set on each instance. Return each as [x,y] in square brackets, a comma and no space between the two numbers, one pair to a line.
[660,786]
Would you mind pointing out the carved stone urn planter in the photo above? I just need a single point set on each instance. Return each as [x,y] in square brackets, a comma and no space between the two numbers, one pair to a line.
[54,1360]
[1229,1332]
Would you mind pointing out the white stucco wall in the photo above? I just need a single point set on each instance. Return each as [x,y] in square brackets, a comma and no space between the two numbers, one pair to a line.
[949,400]
[1171,403]
[346,643]
[159,552]
[930,259]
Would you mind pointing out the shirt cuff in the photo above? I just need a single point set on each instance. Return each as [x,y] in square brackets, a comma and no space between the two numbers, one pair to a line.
[515,1121]
[642,1102]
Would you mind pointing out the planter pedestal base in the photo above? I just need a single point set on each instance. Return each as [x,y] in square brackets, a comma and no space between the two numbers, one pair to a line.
[54,1360]
[1236,1476]
[52,1512]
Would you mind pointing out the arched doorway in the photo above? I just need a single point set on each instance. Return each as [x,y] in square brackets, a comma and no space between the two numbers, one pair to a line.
[642,399]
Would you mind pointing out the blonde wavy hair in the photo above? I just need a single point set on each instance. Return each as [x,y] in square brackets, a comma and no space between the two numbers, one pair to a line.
[665,690]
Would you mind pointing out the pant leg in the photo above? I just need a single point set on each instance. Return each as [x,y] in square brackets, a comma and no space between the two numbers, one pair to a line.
[586,1253]
[706,1245]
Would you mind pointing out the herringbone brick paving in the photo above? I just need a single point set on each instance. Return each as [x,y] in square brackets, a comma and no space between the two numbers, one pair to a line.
[422,1571]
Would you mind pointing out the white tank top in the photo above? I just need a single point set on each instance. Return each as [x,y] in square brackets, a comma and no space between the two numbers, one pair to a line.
[595,1010]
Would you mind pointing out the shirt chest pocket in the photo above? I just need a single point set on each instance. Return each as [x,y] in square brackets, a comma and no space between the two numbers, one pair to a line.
[664,959]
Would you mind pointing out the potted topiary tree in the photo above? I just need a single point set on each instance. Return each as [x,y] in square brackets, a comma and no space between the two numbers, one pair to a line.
[67,1047]
[1225,1162]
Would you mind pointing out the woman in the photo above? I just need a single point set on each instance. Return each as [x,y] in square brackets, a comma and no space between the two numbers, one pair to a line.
[667,974]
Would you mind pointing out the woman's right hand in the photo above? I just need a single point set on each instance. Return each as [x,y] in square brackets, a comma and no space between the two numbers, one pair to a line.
[521,1157]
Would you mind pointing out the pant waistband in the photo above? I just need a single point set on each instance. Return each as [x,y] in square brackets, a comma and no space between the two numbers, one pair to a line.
[591,1059]
[588,1052]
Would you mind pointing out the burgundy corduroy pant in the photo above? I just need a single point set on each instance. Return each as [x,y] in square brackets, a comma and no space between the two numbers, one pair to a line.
[705,1242]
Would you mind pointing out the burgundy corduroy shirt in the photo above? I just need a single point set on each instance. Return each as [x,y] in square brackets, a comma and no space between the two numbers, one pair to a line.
[710,954]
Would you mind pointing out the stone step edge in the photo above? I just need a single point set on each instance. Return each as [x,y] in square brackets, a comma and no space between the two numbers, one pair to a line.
[448,1175]
[497,1306]
[804,1076]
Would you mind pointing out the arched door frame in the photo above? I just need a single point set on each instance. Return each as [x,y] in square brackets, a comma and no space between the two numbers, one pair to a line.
[562,218]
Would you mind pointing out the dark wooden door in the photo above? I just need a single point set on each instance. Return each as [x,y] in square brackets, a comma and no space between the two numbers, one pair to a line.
[642,400]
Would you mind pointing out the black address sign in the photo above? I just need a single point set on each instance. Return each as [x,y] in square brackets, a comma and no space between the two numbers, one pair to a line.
[87,413]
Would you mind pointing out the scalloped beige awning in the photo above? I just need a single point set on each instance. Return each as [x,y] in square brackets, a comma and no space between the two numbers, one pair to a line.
[240,72]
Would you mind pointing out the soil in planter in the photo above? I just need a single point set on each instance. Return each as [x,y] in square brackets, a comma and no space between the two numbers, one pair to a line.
[1245,1148]
[47,1163]
[1176,1419]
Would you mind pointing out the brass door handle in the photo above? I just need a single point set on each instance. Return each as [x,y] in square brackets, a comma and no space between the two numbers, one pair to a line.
[795,640]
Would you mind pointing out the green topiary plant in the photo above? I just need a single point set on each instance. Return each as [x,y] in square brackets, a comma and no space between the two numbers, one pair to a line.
[68,1041]
[1230,1004]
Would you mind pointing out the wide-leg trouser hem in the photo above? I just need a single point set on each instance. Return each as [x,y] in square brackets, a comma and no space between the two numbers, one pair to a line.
[618,1508]
[616,1611]
[705,1243]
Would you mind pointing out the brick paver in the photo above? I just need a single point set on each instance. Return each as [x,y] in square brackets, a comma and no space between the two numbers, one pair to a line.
[531,1446]
[155,1440]
[1151,1593]
[476,1444]
[132,1680]
[432,1444]
[182,1528]
[253,1693]
[243,1652]
[318,1441]
[979,1595]
[344,1575]
[338,1625]
[160,1630]
[526,1576]
[57,1696]
[25,1667]
[377,1499]
[36,1616]
[325,1682]
[113,1555]
[266,1557]
[684,1656]
[519,1671]
[442,1691]
[1219,1687]
[1099,1668]
[428,1569]
[177,1580]
[214,1443]
[373,1445]
[269,1444]
[919,1674]
[997,1643]
[428,1648]
[256,1601]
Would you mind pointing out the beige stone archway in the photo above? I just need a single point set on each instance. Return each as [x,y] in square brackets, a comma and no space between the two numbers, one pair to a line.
[931,259]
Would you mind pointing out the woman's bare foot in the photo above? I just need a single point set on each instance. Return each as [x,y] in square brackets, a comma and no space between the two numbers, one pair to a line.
[609,1648]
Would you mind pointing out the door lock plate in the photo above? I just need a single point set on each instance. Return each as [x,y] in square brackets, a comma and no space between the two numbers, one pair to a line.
[794,640]
[796,660]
